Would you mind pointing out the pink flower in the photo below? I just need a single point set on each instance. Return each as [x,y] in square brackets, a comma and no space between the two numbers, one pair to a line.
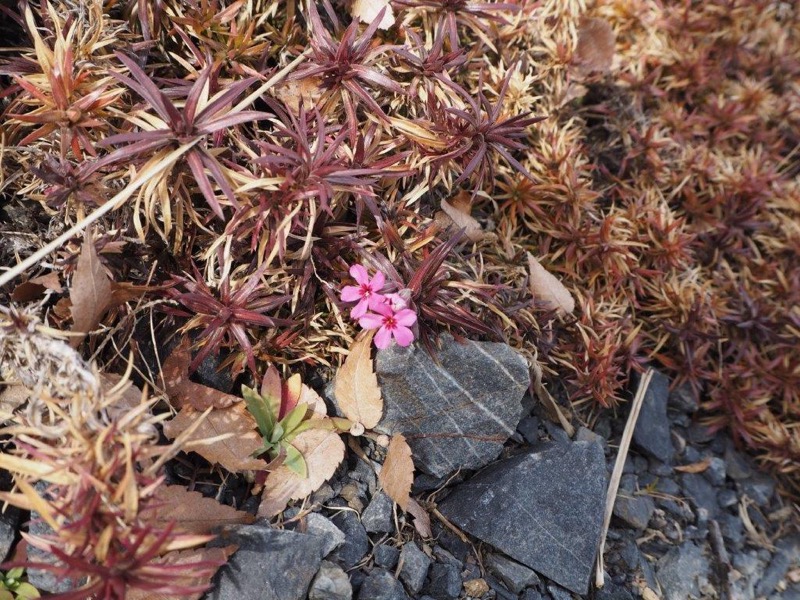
[367,292]
[389,324]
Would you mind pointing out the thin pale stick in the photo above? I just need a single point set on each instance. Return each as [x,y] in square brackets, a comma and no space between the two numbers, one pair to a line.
[613,485]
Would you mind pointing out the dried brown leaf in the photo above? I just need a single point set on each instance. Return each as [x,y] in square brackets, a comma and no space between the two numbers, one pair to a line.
[367,11]
[234,452]
[546,287]
[34,288]
[463,220]
[184,392]
[697,467]
[90,292]
[323,450]
[397,473]
[356,387]
[422,520]
[595,49]
[192,512]
[188,558]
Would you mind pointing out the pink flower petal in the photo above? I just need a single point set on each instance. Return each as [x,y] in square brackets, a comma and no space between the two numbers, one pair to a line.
[360,309]
[405,317]
[383,338]
[360,274]
[403,335]
[397,301]
[383,307]
[351,293]
[371,321]
[377,281]
[376,299]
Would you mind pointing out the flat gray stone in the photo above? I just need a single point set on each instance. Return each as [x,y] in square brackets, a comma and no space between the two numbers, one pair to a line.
[380,585]
[330,583]
[515,576]
[378,516]
[414,564]
[652,429]
[386,556]
[541,508]
[634,511]
[270,564]
[700,492]
[455,414]
[787,552]
[9,523]
[356,542]
[680,570]
[322,527]
[445,582]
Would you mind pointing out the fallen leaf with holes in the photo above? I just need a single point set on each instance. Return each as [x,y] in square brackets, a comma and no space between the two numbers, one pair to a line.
[191,511]
[547,288]
[322,450]
[356,385]
[306,90]
[397,473]
[368,10]
[697,467]
[188,558]
[234,452]
[90,292]
[595,49]
[184,392]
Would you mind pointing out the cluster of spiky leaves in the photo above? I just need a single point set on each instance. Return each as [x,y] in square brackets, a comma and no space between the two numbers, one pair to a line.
[86,459]
[282,143]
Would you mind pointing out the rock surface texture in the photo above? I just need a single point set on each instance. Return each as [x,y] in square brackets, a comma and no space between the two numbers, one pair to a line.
[456,414]
[544,509]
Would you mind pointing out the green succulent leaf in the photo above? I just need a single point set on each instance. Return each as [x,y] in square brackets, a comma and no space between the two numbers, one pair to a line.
[6,595]
[295,461]
[15,573]
[261,409]
[291,421]
[26,590]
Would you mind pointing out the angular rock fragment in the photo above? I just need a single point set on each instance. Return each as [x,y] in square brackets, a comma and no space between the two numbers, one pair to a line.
[543,509]
[652,433]
[455,414]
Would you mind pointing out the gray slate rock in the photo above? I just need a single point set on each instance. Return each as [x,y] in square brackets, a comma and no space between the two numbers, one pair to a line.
[760,487]
[380,585]
[700,492]
[611,591]
[511,505]
[356,542]
[445,582]
[558,593]
[515,576]
[787,551]
[680,570]
[634,511]
[377,517]
[42,579]
[414,567]
[651,434]
[270,565]
[456,414]
[322,527]
[330,583]
[9,522]
[386,556]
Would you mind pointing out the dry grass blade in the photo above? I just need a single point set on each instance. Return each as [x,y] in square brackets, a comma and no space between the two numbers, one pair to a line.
[619,464]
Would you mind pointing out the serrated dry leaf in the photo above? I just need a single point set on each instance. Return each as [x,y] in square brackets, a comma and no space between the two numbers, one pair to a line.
[422,520]
[192,512]
[547,288]
[323,450]
[306,90]
[185,557]
[234,452]
[356,386]
[463,220]
[184,392]
[595,49]
[90,292]
[697,467]
[397,473]
[367,11]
